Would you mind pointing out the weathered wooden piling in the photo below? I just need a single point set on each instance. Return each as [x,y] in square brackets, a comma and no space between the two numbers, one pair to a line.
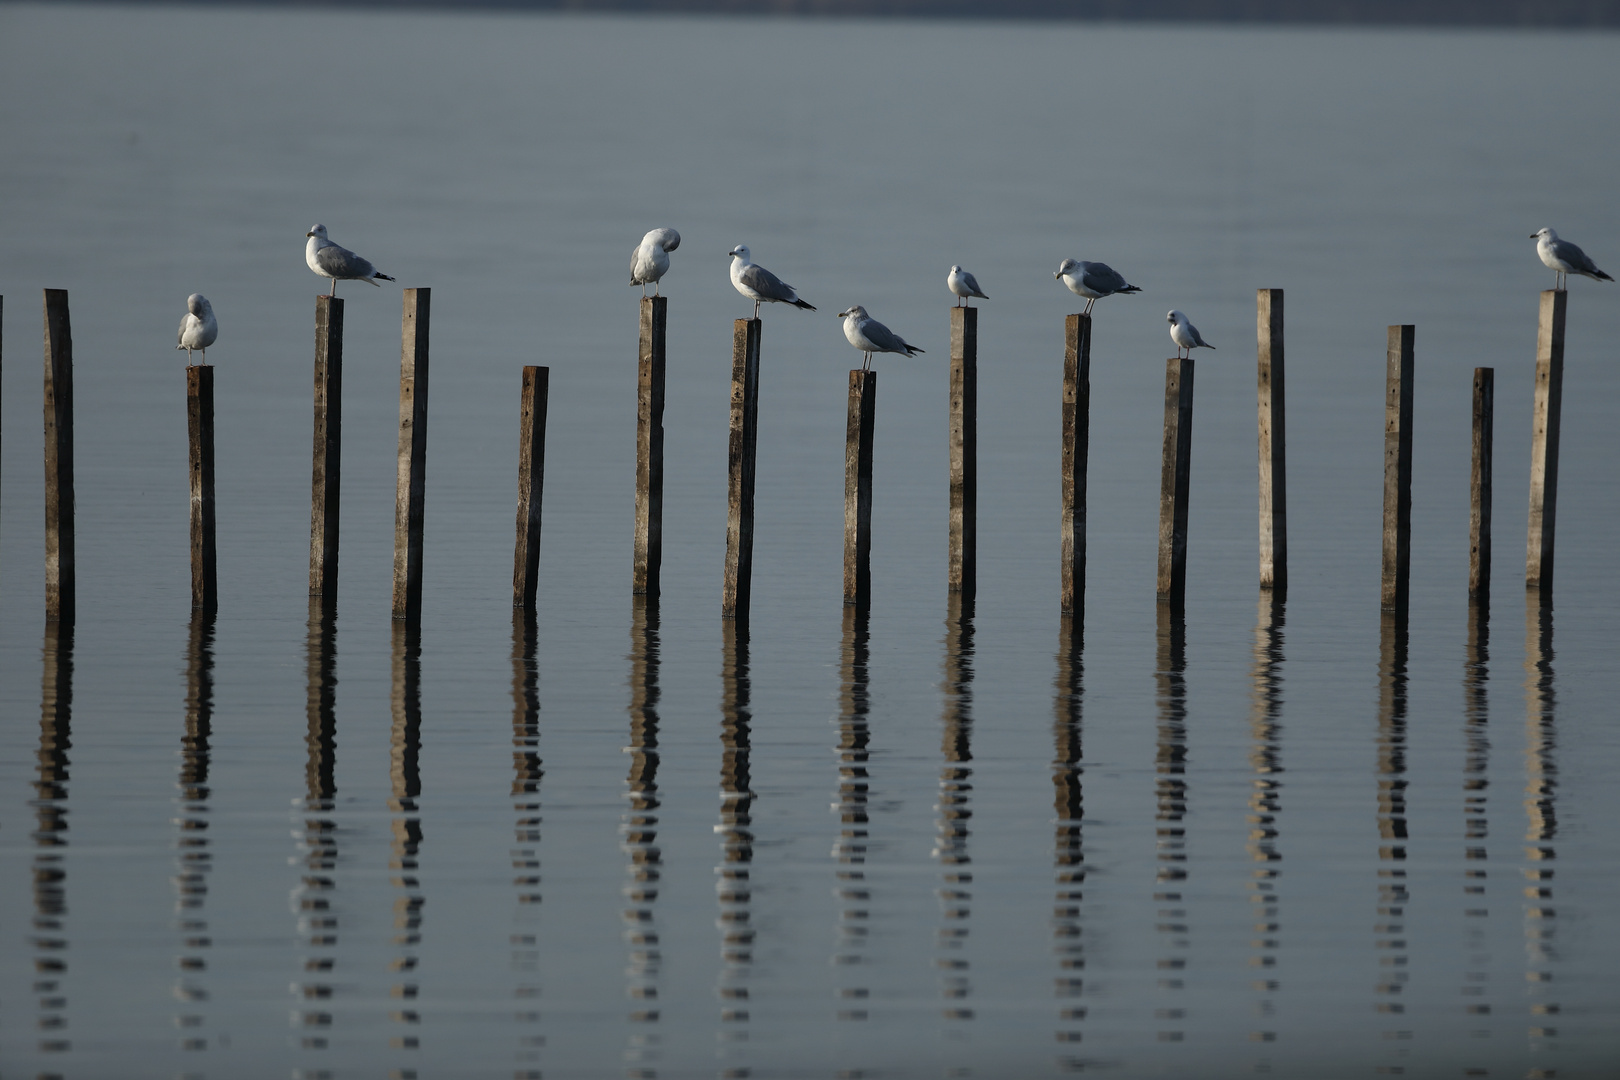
[649,541]
[200,431]
[59,565]
[1175,477]
[858,488]
[410,489]
[1273,442]
[962,572]
[1075,454]
[1538,562]
[327,473]
[1398,378]
[531,485]
[735,591]
[1479,512]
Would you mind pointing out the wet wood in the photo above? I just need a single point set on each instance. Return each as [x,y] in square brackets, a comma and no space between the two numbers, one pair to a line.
[531,485]
[1175,478]
[735,591]
[411,486]
[59,563]
[1479,512]
[858,488]
[962,568]
[1538,562]
[1398,378]
[649,539]
[1273,442]
[327,472]
[1075,454]
[200,433]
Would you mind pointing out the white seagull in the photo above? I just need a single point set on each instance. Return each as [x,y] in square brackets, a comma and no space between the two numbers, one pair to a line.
[198,329]
[1565,258]
[650,260]
[871,336]
[759,284]
[338,263]
[1092,280]
[963,284]
[1185,334]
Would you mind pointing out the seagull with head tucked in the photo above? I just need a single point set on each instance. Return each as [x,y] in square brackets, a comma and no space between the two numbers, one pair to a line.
[1565,258]
[963,284]
[338,263]
[650,260]
[198,329]
[1185,335]
[759,284]
[871,336]
[1092,280]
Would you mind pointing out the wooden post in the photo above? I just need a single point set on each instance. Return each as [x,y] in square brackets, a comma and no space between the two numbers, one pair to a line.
[1538,563]
[328,468]
[531,484]
[1273,443]
[649,542]
[59,566]
[858,489]
[734,593]
[410,489]
[1479,514]
[1174,478]
[1076,451]
[962,573]
[1398,465]
[200,428]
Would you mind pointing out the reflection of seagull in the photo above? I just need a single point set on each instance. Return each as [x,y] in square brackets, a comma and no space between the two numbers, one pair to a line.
[338,263]
[198,329]
[871,336]
[963,284]
[650,260]
[1565,258]
[759,284]
[1092,280]
[1185,334]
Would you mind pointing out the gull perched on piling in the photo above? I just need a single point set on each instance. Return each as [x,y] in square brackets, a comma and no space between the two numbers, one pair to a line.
[1092,280]
[1565,258]
[871,336]
[759,284]
[963,284]
[198,329]
[338,263]
[650,260]
[1185,335]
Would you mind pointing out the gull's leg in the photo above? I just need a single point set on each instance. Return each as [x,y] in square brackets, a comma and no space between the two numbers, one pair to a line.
[333,290]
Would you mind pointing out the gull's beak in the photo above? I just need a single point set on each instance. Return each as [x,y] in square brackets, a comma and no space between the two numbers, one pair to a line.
[1534,235]
[1057,275]
[309,234]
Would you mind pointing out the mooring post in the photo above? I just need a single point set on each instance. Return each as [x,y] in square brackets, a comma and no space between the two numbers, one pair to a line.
[328,468]
[1538,563]
[1398,377]
[858,489]
[410,489]
[1175,477]
[1076,451]
[531,484]
[1273,443]
[59,575]
[649,542]
[200,429]
[962,572]
[1479,513]
[734,595]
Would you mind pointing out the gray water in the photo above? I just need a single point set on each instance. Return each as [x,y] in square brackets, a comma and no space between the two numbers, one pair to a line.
[1301,839]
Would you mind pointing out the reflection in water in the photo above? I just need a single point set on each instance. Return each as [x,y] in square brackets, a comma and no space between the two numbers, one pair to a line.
[193,856]
[1068,855]
[405,786]
[1389,943]
[1541,813]
[734,884]
[50,837]
[1476,819]
[639,836]
[1265,800]
[315,897]
[854,792]
[955,796]
[1171,793]
[526,774]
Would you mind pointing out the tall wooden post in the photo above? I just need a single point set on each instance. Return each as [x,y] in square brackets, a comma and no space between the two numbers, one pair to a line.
[59,566]
[1398,378]
[1479,513]
[327,473]
[531,485]
[649,542]
[735,591]
[962,572]
[1076,451]
[200,429]
[1273,442]
[1175,476]
[410,489]
[858,489]
[1538,562]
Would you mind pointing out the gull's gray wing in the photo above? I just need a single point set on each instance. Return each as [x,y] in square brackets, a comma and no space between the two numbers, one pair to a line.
[1102,278]
[885,339]
[1575,257]
[340,262]
[767,284]
[972,284]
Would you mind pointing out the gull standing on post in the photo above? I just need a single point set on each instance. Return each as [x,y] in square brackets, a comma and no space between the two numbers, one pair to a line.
[871,336]
[198,329]
[338,263]
[1185,335]
[1092,280]
[1565,258]
[759,284]
[963,284]
[650,260]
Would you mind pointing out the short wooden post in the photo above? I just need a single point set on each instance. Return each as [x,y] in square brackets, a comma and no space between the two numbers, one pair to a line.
[1398,377]
[962,572]
[327,473]
[649,542]
[1273,443]
[1538,563]
[1479,514]
[734,595]
[1175,477]
[59,566]
[1076,451]
[858,489]
[200,429]
[531,484]
[410,489]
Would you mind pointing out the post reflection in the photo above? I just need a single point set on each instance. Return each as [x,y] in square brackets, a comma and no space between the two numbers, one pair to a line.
[734,884]
[1541,821]
[193,856]
[1068,856]
[854,792]
[955,809]
[1171,793]
[1265,799]
[405,792]
[1393,897]
[639,836]
[50,837]
[526,774]
[1476,818]
[316,896]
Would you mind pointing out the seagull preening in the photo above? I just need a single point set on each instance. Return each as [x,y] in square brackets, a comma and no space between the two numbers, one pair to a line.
[759,284]
[1092,280]
[1185,335]
[338,263]
[1565,258]
[198,329]
[650,260]
[871,336]
[963,284]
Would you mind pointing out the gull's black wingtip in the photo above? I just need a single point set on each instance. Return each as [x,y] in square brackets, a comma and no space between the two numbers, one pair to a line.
[802,304]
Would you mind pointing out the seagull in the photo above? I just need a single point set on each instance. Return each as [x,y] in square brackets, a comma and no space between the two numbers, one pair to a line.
[198,329]
[759,284]
[1565,258]
[963,284]
[871,336]
[650,260]
[338,263]
[1185,334]
[1092,280]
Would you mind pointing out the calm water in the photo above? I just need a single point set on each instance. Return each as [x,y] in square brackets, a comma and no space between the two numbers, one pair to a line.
[632,841]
